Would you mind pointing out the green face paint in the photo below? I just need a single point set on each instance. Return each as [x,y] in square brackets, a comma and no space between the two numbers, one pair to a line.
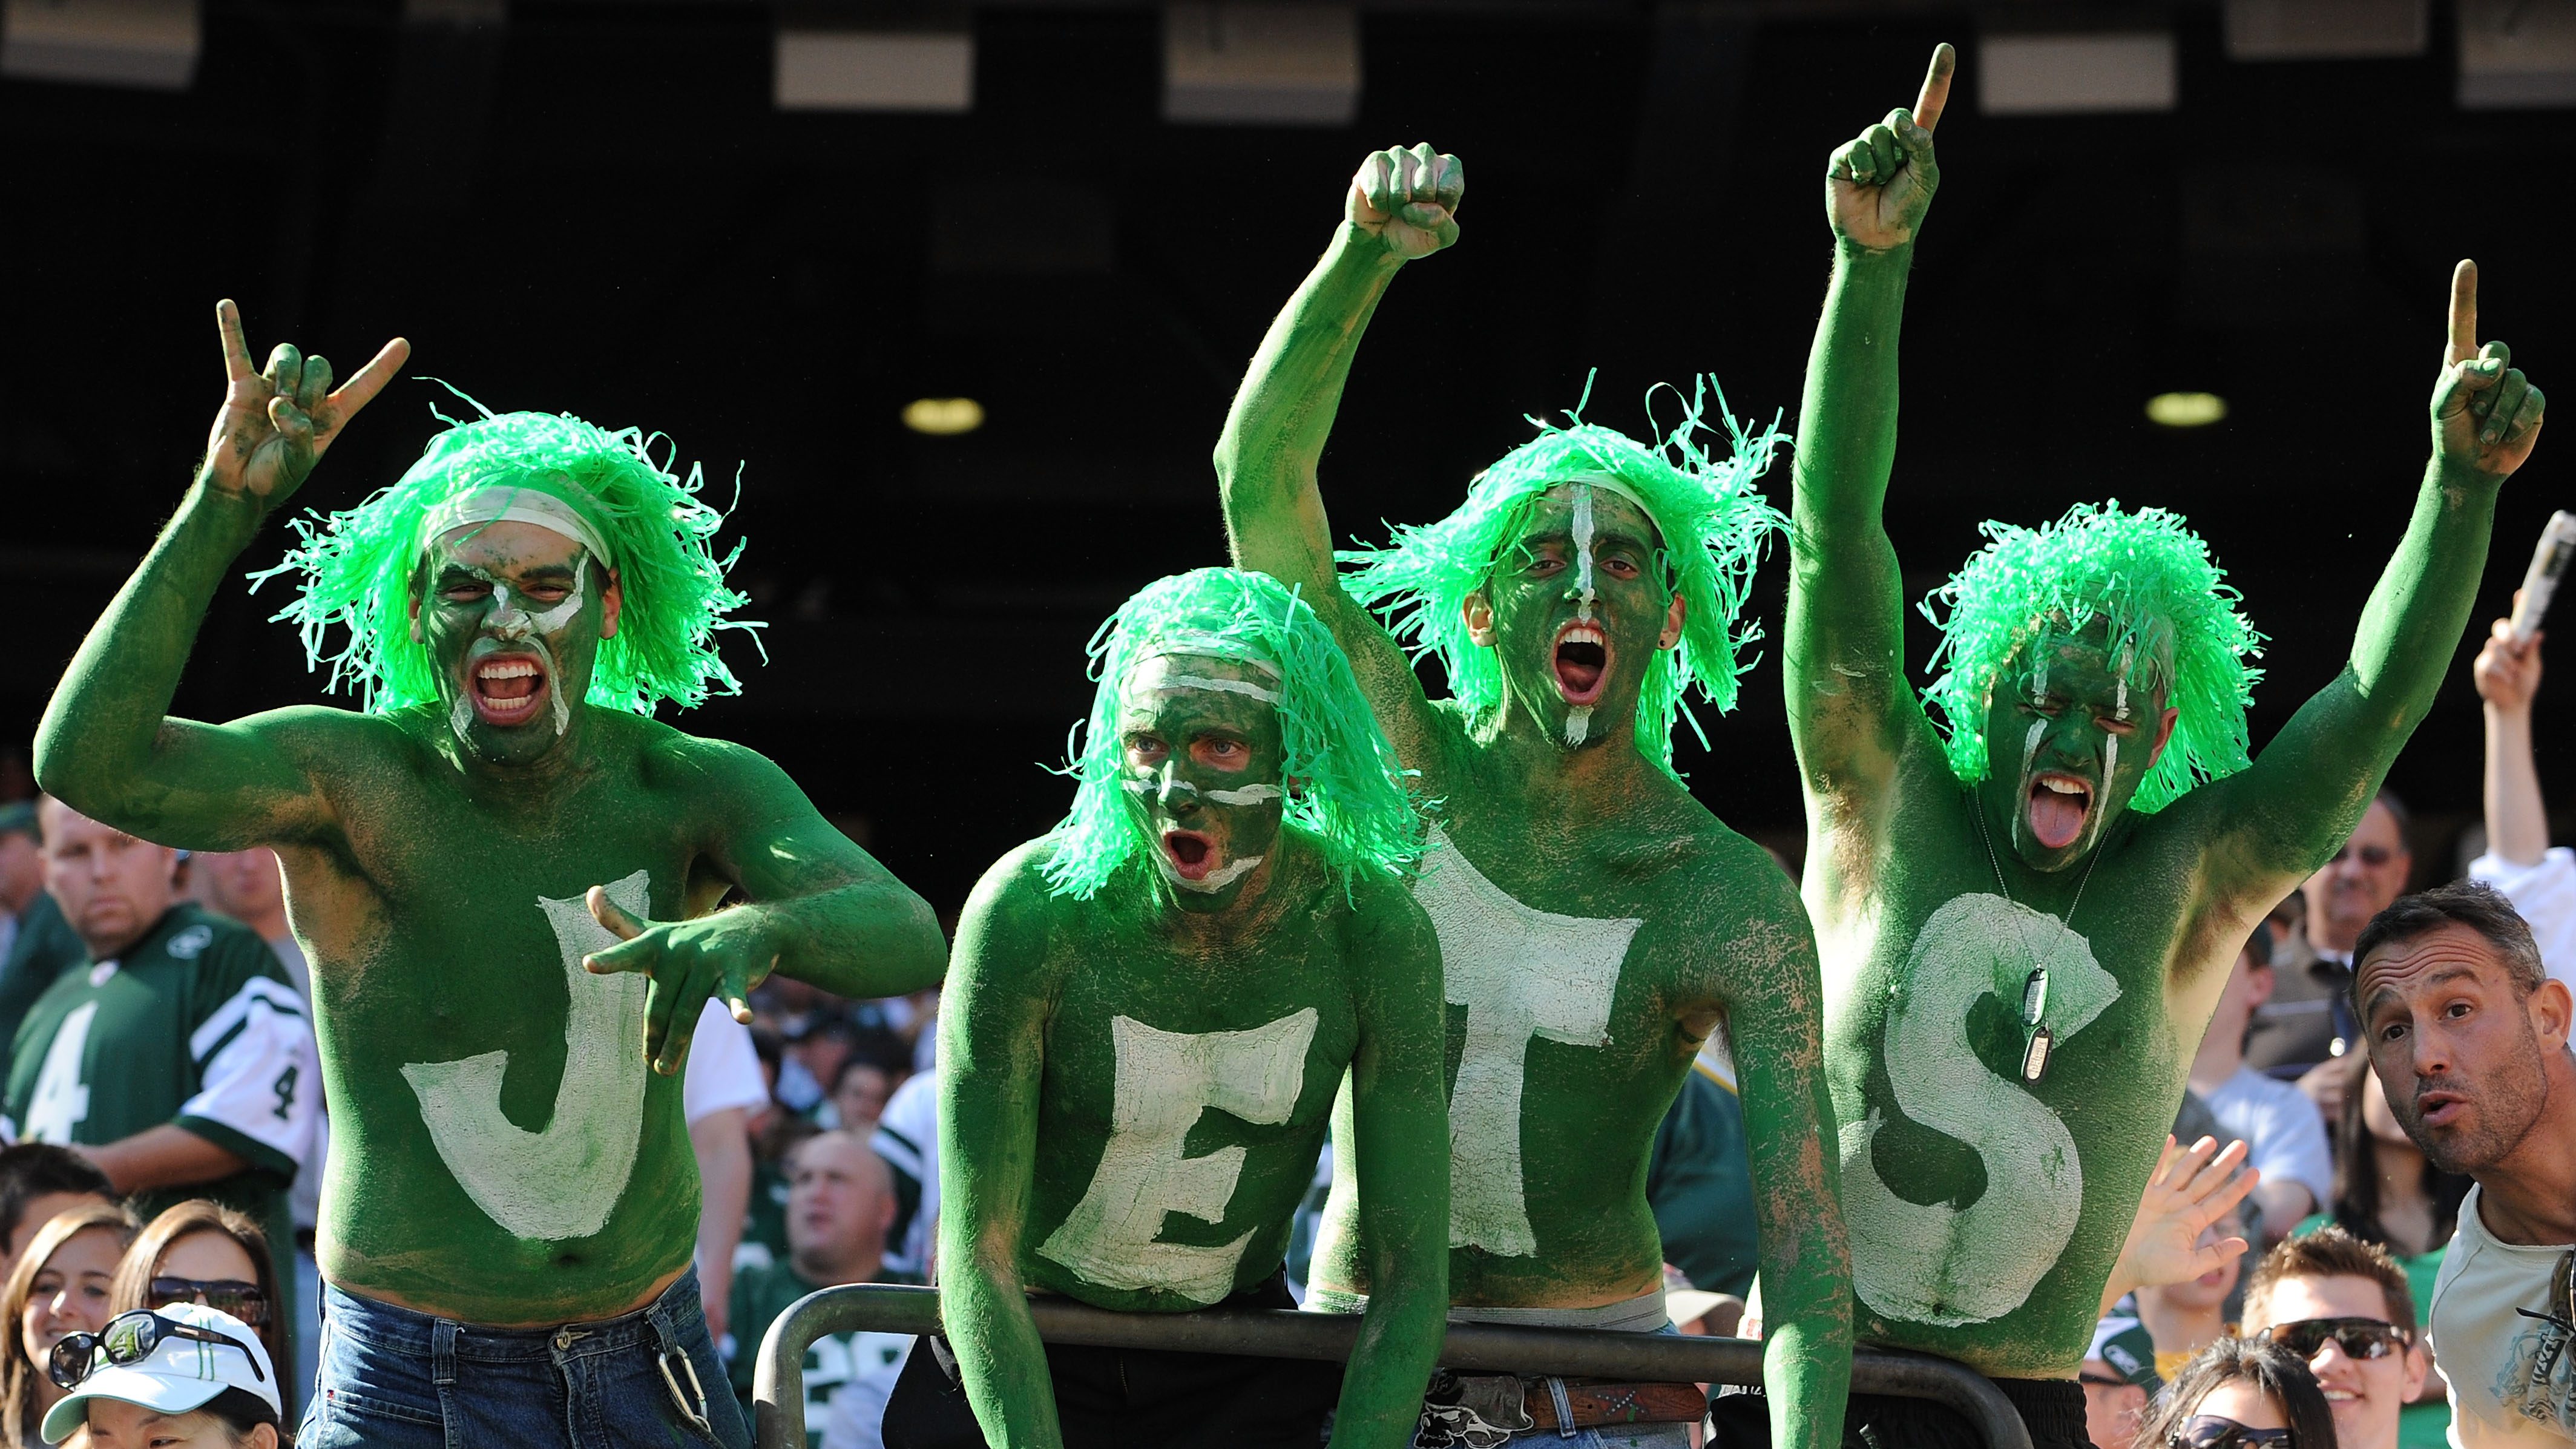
[1579,608]
[512,621]
[1154,1006]
[2085,730]
[1596,922]
[1201,748]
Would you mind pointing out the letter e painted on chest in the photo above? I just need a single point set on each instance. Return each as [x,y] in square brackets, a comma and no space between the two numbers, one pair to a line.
[1164,1080]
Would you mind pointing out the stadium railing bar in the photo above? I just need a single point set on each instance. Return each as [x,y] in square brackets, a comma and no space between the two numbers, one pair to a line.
[778,1376]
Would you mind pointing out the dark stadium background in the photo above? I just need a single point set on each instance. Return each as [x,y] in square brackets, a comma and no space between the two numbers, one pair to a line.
[596,208]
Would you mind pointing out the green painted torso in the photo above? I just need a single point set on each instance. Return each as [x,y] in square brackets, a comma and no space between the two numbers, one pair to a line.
[1986,1210]
[1601,1015]
[1204,1077]
[440,973]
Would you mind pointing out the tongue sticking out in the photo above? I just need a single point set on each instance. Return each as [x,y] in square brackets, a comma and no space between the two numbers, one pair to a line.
[1578,669]
[2056,817]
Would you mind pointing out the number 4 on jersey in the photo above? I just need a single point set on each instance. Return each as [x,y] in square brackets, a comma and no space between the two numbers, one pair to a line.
[61,1102]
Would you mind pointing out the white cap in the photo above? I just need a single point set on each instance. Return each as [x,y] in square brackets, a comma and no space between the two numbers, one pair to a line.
[180,1374]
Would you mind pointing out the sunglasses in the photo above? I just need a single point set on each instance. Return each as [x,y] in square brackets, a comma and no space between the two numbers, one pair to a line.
[224,1295]
[2360,1338]
[2215,1431]
[129,1338]
[2561,1319]
[2373,856]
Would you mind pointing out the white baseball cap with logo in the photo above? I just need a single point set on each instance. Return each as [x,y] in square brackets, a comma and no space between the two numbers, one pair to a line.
[181,1374]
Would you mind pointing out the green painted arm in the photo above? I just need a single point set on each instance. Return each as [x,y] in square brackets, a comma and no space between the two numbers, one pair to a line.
[992,1046]
[818,908]
[2301,799]
[1401,1142]
[1797,1193]
[1399,209]
[1851,713]
[106,746]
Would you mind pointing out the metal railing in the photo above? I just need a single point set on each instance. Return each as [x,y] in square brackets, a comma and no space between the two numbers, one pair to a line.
[778,1375]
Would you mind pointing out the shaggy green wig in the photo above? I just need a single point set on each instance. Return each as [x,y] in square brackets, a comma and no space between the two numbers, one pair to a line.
[2167,607]
[360,567]
[1341,778]
[1701,500]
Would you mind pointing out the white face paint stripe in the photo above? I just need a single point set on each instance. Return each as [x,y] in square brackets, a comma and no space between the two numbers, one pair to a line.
[1214,881]
[1174,683]
[1583,548]
[1207,646]
[2030,745]
[1248,795]
[2101,802]
[1578,725]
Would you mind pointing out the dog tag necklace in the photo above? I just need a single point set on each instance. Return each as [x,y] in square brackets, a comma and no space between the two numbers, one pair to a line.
[2036,1040]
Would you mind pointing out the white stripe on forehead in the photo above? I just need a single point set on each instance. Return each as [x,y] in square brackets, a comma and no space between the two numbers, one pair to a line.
[1207,646]
[508,503]
[1611,484]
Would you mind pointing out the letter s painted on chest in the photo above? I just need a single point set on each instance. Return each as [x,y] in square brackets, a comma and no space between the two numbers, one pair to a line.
[1164,1080]
[1931,1262]
[562,1182]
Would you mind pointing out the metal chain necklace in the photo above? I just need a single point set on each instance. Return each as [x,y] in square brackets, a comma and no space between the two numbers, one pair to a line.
[2037,1040]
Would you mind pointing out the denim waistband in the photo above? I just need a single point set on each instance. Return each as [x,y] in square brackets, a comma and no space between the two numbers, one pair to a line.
[395,1329]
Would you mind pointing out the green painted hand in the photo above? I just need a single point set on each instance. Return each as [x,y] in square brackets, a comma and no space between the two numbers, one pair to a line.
[1880,183]
[1408,200]
[2486,414]
[723,955]
[275,425]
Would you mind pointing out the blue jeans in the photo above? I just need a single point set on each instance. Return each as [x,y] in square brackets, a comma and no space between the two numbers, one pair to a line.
[398,1378]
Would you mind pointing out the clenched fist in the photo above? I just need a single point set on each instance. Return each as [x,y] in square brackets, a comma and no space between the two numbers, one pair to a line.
[1408,200]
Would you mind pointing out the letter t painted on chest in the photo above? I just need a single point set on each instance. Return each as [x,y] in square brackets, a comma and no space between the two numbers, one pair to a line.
[1521,973]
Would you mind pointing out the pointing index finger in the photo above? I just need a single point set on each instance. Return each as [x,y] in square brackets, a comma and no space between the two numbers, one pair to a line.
[236,347]
[1936,86]
[2464,312]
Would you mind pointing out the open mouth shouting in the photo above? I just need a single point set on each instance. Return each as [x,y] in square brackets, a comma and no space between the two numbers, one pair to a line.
[1192,855]
[507,688]
[2056,809]
[1582,661]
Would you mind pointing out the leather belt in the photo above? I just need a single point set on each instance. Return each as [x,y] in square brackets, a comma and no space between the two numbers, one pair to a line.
[1602,1401]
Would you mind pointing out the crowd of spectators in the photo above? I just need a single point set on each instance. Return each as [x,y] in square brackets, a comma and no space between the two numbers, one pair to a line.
[193,1175]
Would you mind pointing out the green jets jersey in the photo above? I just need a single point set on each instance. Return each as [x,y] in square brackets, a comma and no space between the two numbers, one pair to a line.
[195,1026]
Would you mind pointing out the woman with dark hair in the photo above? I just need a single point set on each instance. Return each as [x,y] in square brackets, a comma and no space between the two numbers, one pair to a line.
[203,1252]
[2240,1393]
[2387,1192]
[59,1288]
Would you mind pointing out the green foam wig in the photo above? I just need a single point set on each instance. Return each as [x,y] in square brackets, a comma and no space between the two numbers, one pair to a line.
[1701,499]
[359,568]
[2166,605]
[1342,781]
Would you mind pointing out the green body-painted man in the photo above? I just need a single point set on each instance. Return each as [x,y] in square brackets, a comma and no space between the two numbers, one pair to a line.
[1596,922]
[508,1150]
[2026,929]
[1152,1008]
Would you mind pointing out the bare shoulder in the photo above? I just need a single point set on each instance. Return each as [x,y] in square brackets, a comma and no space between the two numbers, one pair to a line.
[673,759]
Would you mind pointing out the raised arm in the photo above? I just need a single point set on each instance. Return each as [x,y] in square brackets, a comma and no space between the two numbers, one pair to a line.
[106,746]
[992,1053]
[816,909]
[1850,711]
[2507,673]
[1777,1034]
[1401,208]
[1400,1118]
[2303,796]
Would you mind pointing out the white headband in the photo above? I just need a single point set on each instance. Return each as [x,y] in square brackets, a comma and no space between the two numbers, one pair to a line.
[505,502]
